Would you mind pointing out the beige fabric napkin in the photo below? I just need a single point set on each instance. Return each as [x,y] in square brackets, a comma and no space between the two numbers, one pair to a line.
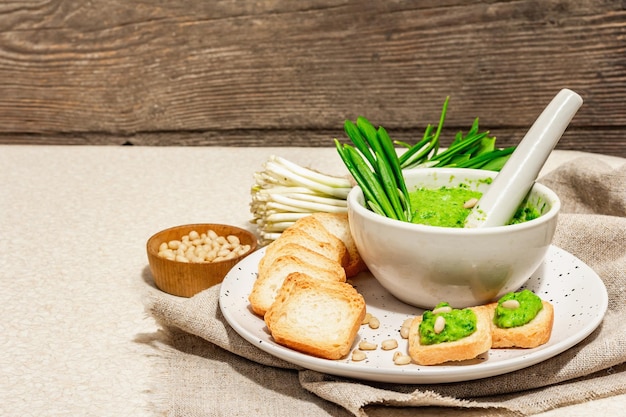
[208,369]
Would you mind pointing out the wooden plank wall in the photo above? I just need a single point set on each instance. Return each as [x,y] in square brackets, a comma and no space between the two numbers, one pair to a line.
[288,73]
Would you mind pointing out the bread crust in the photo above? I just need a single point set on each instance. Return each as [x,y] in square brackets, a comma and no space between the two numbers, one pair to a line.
[463,349]
[333,247]
[534,333]
[299,251]
[319,318]
[338,225]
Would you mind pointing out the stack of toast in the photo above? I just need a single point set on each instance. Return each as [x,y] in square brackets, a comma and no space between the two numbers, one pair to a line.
[301,289]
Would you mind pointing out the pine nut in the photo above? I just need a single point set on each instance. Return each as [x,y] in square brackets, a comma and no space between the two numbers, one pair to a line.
[367,318]
[440,324]
[406,327]
[404,332]
[510,304]
[389,344]
[443,309]
[470,203]
[401,359]
[181,258]
[374,323]
[365,345]
[168,254]
[358,355]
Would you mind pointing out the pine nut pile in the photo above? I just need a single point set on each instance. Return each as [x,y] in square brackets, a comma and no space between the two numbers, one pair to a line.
[203,247]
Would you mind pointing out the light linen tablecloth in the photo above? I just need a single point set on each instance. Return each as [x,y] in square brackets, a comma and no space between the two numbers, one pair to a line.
[75,339]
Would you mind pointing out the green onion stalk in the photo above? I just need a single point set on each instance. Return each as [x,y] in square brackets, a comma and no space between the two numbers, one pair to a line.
[284,192]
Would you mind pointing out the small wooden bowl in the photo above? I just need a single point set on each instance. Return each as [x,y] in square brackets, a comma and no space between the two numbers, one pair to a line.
[187,279]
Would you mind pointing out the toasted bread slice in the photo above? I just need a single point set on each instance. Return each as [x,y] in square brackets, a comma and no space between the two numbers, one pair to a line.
[271,278]
[337,224]
[319,318]
[534,333]
[300,237]
[316,230]
[463,349]
[300,251]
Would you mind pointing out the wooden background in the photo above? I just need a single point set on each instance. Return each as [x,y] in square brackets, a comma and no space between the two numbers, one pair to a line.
[288,73]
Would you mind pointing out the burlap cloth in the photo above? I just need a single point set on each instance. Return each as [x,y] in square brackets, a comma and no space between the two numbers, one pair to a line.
[207,369]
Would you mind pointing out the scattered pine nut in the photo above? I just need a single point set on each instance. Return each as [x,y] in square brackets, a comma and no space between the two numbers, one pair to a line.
[358,355]
[374,323]
[401,359]
[365,345]
[404,332]
[367,318]
[406,327]
[389,344]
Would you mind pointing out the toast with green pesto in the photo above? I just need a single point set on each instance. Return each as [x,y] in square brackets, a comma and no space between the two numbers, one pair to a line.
[534,333]
[465,348]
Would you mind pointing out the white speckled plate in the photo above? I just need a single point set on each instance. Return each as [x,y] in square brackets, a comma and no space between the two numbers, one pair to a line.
[576,291]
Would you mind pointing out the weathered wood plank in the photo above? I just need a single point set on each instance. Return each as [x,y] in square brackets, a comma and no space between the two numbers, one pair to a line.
[193,72]
[602,141]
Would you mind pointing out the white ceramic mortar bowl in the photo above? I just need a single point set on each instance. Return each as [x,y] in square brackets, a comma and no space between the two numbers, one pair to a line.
[424,265]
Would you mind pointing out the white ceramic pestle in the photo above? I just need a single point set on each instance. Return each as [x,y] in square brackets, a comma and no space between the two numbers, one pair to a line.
[509,188]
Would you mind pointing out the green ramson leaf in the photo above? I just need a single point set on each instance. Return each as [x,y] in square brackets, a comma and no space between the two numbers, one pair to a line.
[388,183]
[419,152]
[372,182]
[376,167]
[359,141]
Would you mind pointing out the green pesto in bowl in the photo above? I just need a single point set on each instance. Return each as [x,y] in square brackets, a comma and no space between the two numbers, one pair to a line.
[447,206]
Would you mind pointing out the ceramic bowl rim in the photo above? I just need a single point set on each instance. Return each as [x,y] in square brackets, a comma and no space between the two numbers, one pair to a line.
[355,202]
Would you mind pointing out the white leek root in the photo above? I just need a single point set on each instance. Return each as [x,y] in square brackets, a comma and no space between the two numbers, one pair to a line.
[284,192]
